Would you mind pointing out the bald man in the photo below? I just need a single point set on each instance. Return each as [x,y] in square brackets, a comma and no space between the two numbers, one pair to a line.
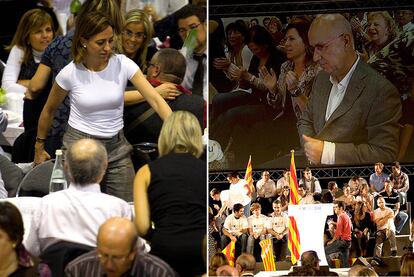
[353,112]
[117,255]
[75,214]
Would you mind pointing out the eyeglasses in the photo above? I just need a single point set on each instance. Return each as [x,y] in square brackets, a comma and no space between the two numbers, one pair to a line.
[321,47]
[129,35]
[113,258]
[189,28]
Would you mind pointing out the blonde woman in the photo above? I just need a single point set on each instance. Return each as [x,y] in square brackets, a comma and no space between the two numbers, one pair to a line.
[136,38]
[381,30]
[171,193]
[34,33]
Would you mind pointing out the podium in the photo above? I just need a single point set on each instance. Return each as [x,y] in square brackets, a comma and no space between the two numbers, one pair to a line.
[310,220]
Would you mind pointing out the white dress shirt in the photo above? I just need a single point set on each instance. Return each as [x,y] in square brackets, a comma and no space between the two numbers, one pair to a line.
[74,215]
[335,98]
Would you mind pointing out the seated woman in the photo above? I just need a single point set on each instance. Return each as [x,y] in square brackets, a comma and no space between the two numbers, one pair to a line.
[136,38]
[297,73]
[237,54]
[34,33]
[14,258]
[244,108]
[171,193]
[362,224]
[381,31]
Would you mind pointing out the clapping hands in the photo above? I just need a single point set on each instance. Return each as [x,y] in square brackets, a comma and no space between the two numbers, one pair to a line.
[269,78]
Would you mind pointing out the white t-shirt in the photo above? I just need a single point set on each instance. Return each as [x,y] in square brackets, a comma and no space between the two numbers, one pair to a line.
[378,213]
[257,223]
[235,226]
[97,98]
[238,194]
[278,223]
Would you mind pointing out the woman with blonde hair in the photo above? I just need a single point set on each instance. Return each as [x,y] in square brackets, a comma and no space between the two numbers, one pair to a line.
[407,264]
[170,192]
[217,260]
[136,38]
[381,30]
[34,33]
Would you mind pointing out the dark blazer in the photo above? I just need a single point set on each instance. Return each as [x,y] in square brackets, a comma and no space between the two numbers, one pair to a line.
[364,127]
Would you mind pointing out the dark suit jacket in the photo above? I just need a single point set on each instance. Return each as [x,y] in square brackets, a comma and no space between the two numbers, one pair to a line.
[149,129]
[364,127]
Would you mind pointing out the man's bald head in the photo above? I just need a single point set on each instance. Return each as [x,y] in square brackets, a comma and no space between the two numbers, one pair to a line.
[86,161]
[332,24]
[246,263]
[118,230]
[116,245]
[168,65]
[330,35]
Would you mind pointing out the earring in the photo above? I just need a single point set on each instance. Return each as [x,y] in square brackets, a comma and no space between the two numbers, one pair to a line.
[84,46]
[14,245]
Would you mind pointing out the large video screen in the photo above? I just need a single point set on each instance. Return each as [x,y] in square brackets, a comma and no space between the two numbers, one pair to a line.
[280,83]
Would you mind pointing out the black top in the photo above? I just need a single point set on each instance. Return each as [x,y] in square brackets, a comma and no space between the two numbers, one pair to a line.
[177,198]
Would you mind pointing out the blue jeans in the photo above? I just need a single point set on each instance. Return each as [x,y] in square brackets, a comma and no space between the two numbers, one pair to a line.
[341,246]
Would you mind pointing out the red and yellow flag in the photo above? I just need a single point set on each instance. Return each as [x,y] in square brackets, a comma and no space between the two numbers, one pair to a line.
[293,232]
[267,255]
[229,251]
[248,177]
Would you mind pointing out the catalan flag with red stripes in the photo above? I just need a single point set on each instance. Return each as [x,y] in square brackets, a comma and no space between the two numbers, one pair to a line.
[293,232]
[267,255]
[248,177]
[229,251]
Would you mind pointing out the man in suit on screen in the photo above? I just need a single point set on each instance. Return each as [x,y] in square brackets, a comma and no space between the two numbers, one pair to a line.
[353,112]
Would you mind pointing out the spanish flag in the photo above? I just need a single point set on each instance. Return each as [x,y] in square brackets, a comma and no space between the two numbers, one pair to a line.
[267,255]
[248,177]
[229,251]
[293,232]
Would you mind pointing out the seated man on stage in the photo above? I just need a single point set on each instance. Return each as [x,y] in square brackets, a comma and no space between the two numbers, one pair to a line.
[266,192]
[277,229]
[384,221]
[341,241]
[392,201]
[235,229]
[305,196]
[257,227]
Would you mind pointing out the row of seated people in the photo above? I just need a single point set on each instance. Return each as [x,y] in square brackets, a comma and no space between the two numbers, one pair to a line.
[365,221]
[116,235]
[75,214]
[245,265]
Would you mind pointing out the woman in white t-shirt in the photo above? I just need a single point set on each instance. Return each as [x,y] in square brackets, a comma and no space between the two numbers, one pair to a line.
[95,81]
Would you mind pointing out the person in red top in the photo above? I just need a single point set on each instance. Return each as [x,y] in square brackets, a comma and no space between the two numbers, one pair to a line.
[341,241]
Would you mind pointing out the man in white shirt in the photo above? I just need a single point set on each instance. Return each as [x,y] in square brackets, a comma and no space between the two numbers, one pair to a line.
[76,213]
[266,192]
[238,192]
[404,19]
[352,116]
[257,227]
[277,229]
[283,181]
[235,229]
[384,220]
